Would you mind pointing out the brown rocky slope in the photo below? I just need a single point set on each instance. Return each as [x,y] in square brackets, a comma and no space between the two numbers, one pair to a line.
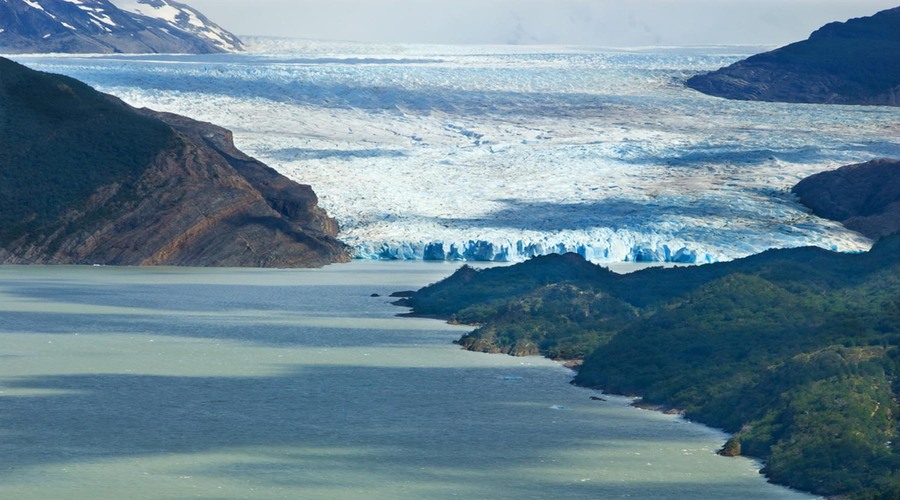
[192,200]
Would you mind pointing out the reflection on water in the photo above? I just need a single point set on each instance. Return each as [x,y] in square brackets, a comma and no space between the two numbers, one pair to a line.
[223,383]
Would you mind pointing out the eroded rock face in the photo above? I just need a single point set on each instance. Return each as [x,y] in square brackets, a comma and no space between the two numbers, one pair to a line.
[864,197]
[196,201]
[856,62]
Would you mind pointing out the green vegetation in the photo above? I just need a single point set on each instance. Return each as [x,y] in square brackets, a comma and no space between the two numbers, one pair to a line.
[60,141]
[793,351]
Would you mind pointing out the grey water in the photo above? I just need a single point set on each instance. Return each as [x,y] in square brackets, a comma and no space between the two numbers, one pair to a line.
[227,383]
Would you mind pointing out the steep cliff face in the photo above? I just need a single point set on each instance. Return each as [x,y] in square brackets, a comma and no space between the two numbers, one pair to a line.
[856,62]
[86,179]
[864,197]
[101,26]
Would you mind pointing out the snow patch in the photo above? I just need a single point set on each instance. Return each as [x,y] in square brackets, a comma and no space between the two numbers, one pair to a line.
[162,11]
[98,24]
[103,18]
[182,18]
[34,5]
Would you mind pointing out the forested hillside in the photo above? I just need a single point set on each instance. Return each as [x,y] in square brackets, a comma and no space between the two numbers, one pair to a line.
[793,351]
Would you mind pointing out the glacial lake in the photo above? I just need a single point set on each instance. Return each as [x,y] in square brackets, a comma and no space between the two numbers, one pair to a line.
[235,383]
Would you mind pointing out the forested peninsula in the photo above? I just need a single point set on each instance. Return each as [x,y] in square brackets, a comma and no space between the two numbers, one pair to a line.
[793,351]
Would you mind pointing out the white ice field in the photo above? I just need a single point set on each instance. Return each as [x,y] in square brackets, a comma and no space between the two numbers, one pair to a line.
[501,153]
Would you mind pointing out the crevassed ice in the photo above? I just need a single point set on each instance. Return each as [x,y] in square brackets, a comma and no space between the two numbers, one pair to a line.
[495,153]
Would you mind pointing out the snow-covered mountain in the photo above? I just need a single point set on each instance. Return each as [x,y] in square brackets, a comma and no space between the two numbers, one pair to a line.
[102,26]
[182,17]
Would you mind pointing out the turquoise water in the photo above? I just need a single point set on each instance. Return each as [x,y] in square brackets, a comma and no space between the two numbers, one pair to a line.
[226,383]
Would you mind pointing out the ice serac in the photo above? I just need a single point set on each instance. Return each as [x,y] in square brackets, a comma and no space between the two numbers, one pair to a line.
[864,197]
[101,26]
[856,62]
[620,248]
[88,179]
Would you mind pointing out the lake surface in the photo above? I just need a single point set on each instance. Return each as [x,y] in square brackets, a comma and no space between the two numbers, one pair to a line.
[226,383]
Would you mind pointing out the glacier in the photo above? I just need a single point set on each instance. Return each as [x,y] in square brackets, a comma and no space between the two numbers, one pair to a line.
[502,153]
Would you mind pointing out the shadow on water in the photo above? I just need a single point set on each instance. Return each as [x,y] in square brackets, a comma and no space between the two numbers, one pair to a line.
[203,298]
[486,431]
[274,316]
[311,332]
[406,430]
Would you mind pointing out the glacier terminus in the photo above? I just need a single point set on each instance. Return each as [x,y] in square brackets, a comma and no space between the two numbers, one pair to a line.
[502,153]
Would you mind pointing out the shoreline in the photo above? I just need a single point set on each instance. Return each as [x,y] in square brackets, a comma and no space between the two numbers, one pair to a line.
[637,403]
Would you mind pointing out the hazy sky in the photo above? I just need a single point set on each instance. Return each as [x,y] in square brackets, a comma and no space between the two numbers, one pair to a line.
[591,22]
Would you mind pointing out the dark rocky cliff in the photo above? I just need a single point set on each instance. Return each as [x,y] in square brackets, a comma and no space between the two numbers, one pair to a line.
[856,62]
[864,197]
[85,179]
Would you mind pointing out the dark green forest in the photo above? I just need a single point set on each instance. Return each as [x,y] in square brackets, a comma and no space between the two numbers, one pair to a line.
[794,352]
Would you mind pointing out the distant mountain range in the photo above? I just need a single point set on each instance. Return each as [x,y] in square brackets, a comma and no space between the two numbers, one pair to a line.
[87,179]
[856,62]
[104,26]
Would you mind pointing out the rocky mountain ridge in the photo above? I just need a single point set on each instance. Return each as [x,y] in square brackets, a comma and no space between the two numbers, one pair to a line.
[854,62]
[104,26]
[87,179]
